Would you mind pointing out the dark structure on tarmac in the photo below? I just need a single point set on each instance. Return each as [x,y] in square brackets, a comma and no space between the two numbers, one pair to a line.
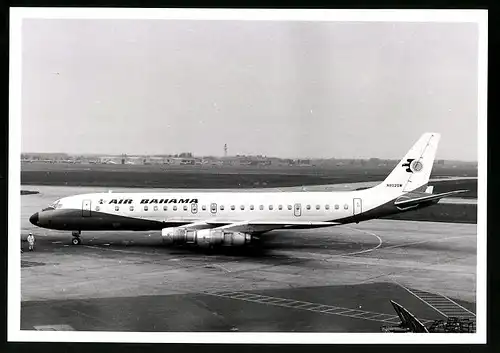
[409,323]
[454,324]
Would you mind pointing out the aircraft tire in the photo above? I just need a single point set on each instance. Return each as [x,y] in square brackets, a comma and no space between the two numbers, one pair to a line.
[76,241]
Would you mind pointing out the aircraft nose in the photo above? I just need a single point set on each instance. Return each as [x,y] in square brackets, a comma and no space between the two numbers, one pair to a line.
[34,219]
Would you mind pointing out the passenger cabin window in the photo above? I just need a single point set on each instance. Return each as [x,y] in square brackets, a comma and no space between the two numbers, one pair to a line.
[145,208]
[242,207]
[336,207]
[155,208]
[327,207]
[175,208]
[222,207]
[185,208]
[165,208]
[261,207]
[289,207]
[280,207]
[251,207]
[270,207]
[131,208]
[204,208]
[308,207]
[346,206]
[317,207]
[232,208]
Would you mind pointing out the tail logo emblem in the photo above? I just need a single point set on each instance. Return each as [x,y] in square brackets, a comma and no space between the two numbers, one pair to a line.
[412,165]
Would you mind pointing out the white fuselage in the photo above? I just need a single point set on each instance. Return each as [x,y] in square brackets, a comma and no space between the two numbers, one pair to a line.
[228,206]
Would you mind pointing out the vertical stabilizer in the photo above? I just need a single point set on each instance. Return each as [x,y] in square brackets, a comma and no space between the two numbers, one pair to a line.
[414,170]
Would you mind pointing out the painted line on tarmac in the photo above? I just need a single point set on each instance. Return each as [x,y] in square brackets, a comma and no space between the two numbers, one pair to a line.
[454,302]
[117,250]
[327,257]
[422,300]
[366,250]
[308,306]
[427,241]
[442,304]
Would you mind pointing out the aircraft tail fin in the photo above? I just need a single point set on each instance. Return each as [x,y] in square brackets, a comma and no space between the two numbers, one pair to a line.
[414,170]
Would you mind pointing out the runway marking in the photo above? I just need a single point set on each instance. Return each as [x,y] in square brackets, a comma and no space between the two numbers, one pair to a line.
[309,306]
[442,304]
[367,250]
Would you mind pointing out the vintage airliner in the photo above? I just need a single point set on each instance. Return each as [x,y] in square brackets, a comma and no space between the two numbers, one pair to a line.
[233,218]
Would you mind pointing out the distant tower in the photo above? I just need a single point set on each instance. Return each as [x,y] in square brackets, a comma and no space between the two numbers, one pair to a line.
[225,150]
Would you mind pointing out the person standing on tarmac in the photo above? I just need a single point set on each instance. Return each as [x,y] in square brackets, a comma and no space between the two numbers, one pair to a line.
[31,242]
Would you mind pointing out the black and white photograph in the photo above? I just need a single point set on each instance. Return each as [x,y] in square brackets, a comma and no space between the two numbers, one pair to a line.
[243,176]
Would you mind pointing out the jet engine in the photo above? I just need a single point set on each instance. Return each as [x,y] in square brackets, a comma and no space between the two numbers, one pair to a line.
[204,237]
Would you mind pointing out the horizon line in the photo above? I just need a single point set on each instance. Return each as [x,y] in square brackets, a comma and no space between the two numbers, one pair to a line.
[168,155]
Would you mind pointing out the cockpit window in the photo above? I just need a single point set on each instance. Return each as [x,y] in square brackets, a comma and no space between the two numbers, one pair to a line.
[53,206]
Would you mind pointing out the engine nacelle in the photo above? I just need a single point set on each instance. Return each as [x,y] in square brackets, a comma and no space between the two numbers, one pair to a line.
[174,235]
[204,237]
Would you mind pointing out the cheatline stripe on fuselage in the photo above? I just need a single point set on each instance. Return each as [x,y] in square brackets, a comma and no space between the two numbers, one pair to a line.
[106,221]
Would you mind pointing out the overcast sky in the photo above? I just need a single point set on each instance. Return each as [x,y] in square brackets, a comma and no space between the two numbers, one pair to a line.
[286,89]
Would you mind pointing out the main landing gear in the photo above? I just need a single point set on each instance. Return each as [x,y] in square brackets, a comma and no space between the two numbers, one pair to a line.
[76,237]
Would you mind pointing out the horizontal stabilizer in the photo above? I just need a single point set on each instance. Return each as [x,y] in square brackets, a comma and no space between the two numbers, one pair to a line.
[413,199]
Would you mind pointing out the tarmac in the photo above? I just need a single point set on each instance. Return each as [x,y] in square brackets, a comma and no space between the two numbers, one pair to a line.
[338,279]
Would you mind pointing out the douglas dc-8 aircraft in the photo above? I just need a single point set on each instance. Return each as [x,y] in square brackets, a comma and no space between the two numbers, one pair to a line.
[234,218]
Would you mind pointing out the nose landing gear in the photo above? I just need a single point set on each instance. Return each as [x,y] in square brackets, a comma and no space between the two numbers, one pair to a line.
[76,237]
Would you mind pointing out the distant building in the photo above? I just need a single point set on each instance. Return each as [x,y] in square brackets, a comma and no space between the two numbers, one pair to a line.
[303,162]
[109,160]
[156,160]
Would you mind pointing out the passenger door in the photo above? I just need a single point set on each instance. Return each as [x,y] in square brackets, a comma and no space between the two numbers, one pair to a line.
[297,210]
[357,206]
[86,205]
[213,208]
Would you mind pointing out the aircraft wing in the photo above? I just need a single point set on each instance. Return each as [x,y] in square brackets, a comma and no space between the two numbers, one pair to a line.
[414,198]
[196,225]
[265,225]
